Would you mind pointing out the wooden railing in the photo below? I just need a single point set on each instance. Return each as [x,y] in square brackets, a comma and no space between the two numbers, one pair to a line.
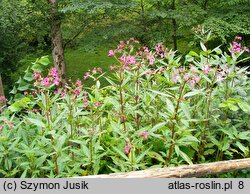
[195,170]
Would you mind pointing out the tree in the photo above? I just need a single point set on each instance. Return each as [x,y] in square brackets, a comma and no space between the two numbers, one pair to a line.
[56,39]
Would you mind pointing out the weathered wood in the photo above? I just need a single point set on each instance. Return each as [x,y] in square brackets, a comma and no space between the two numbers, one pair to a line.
[195,170]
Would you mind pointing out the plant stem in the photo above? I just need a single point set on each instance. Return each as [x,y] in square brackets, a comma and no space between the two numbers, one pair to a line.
[121,100]
[175,117]
[206,123]
[137,99]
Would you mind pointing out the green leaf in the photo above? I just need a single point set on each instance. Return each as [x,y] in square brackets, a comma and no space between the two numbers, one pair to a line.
[14,90]
[182,155]
[36,67]
[243,148]
[195,92]
[193,54]
[158,126]
[36,122]
[204,48]
[245,135]
[156,156]
[185,110]
[120,153]
[170,105]
[39,161]
[187,140]
[19,105]
[24,173]
[60,142]
[28,76]
[44,60]
[244,106]
[160,93]
[233,107]
[23,86]
[209,152]
[139,158]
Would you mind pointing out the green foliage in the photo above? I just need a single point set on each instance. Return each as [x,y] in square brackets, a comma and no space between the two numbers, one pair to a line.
[157,110]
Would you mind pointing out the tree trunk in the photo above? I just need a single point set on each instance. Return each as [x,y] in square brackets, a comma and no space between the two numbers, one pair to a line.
[174,27]
[195,170]
[2,103]
[56,39]
[205,4]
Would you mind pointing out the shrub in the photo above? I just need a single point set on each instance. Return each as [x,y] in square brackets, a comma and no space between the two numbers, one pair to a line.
[158,109]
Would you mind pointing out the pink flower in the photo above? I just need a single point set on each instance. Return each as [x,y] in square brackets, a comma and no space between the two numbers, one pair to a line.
[193,69]
[130,60]
[56,82]
[163,55]
[131,48]
[206,69]
[54,72]
[112,67]
[123,119]
[151,60]
[219,78]
[175,79]
[127,149]
[192,82]
[46,81]
[77,91]
[85,99]
[126,68]
[123,58]
[97,104]
[111,53]
[99,69]
[94,71]
[161,70]
[25,93]
[144,134]
[186,76]
[236,47]
[196,79]
[85,105]
[36,75]
[150,71]
[247,49]
[86,75]
[1,127]
[79,83]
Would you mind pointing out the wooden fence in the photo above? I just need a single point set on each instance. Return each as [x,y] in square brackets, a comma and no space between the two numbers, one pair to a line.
[195,170]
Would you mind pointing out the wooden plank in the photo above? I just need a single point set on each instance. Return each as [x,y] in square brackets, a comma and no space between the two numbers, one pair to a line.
[195,170]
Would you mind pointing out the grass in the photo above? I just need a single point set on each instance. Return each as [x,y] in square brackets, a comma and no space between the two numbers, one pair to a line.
[79,61]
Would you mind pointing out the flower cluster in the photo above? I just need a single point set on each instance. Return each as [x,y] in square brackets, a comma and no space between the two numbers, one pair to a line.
[190,76]
[92,72]
[130,54]
[51,79]
[237,46]
[3,99]
[127,148]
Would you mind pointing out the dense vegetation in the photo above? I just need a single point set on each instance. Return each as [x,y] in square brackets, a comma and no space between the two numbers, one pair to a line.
[158,109]
[137,106]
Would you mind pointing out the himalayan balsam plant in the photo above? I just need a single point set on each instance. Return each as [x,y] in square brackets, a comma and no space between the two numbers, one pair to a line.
[158,109]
